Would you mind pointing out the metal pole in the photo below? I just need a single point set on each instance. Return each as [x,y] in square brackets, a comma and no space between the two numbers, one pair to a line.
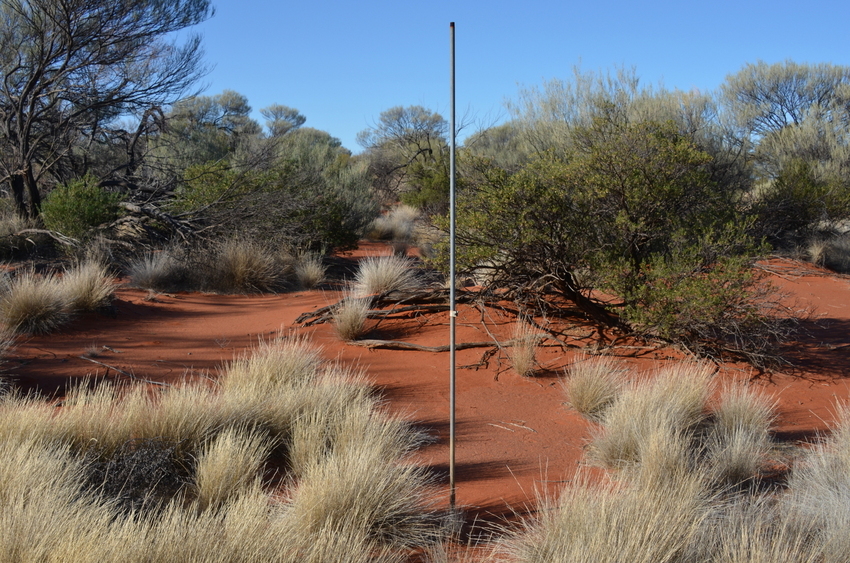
[452,311]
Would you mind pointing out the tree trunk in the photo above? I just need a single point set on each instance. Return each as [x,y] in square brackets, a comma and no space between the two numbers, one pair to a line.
[35,197]
[16,183]
[587,306]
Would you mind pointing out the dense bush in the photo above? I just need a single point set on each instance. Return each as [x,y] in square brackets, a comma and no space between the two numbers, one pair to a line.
[309,195]
[798,203]
[73,209]
[636,211]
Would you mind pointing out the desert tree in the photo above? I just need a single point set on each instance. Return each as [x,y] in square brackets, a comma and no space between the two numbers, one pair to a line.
[71,68]
[200,130]
[765,98]
[794,120]
[502,144]
[302,189]
[407,151]
[281,119]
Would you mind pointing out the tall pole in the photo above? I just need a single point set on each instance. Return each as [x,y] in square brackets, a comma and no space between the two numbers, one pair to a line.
[452,311]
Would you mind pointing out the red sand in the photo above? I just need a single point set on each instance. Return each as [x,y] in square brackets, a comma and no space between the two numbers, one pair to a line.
[514,435]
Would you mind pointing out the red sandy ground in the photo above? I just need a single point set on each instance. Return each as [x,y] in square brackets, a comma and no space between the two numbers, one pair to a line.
[515,436]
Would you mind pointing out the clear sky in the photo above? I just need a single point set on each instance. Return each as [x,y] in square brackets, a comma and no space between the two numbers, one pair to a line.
[341,63]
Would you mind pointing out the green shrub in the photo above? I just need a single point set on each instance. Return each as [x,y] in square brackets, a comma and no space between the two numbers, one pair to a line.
[797,203]
[634,228]
[307,197]
[75,208]
[207,184]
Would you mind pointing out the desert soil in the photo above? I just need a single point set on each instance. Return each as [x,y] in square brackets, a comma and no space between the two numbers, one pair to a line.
[515,435]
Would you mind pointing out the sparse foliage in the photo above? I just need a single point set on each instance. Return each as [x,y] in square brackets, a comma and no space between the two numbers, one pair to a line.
[70,69]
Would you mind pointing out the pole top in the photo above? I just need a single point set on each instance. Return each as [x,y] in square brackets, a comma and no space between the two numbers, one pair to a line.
[451,24]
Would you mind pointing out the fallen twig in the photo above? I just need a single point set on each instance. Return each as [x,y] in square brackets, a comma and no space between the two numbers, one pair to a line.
[399,345]
[125,373]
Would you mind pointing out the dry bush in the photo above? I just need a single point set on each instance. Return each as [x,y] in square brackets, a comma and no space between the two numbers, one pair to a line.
[87,287]
[653,416]
[592,385]
[32,304]
[832,253]
[349,318]
[385,274]
[739,441]
[309,271]
[229,464]
[523,353]
[243,266]
[159,271]
[645,522]
[143,474]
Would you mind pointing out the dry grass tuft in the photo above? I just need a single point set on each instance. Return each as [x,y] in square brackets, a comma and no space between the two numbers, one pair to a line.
[229,465]
[641,523]
[32,304]
[523,353]
[349,319]
[819,490]
[592,385]
[739,441]
[110,470]
[653,418]
[385,274]
[88,287]
[397,225]
[356,491]
[309,271]
[159,271]
[832,253]
[243,266]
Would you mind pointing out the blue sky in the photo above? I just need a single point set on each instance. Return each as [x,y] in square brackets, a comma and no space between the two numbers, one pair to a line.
[342,63]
